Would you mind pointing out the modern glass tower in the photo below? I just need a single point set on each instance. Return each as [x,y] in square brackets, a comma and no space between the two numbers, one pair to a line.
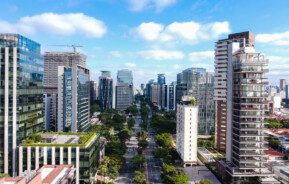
[105,90]
[21,96]
[124,90]
[73,98]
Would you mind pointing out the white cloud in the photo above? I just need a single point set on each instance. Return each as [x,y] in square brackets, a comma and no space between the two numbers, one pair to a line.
[191,31]
[130,65]
[177,66]
[274,38]
[57,24]
[203,55]
[157,5]
[161,54]
[115,55]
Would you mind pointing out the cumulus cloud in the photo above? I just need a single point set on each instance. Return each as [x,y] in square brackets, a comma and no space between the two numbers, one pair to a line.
[157,5]
[191,32]
[130,65]
[274,38]
[161,54]
[203,55]
[57,24]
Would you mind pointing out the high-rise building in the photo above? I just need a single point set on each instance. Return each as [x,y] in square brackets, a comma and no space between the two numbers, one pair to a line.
[171,96]
[73,99]
[155,91]
[105,90]
[282,84]
[148,89]
[187,130]
[51,62]
[93,91]
[124,90]
[246,113]
[220,84]
[161,79]
[198,83]
[21,96]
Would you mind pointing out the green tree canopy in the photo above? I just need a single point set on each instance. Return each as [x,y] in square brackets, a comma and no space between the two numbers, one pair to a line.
[139,178]
[138,161]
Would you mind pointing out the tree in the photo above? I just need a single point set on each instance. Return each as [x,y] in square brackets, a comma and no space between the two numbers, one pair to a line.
[164,154]
[138,161]
[164,140]
[180,179]
[124,135]
[103,167]
[132,109]
[274,142]
[143,144]
[139,178]
[142,135]
[205,181]
[130,123]
[168,173]
[115,147]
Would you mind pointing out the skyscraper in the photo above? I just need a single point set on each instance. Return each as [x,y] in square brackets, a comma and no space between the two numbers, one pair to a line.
[246,106]
[105,90]
[282,84]
[21,96]
[198,83]
[51,62]
[220,89]
[171,96]
[73,99]
[161,79]
[124,90]
[187,130]
[93,91]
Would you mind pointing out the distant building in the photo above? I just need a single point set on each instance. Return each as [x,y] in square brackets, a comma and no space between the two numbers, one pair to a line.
[58,174]
[105,91]
[161,79]
[50,81]
[187,130]
[155,94]
[124,90]
[21,96]
[171,96]
[48,108]
[93,91]
[73,99]
[283,83]
[198,83]
[67,149]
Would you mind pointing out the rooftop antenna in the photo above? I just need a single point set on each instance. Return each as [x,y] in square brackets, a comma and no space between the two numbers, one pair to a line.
[73,46]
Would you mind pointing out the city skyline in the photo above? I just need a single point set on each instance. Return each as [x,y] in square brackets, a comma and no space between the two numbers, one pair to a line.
[150,33]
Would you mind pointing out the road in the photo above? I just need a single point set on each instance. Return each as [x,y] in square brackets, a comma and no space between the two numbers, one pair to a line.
[153,165]
[127,171]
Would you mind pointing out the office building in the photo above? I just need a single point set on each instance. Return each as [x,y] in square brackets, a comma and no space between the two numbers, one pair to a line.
[82,150]
[161,79]
[73,99]
[220,84]
[148,89]
[171,96]
[21,96]
[105,91]
[246,113]
[198,83]
[155,94]
[187,130]
[51,62]
[47,111]
[124,90]
[93,91]
[282,84]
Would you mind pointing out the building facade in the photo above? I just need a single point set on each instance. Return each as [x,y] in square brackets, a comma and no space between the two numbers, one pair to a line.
[21,96]
[93,91]
[60,148]
[124,90]
[51,62]
[171,96]
[220,84]
[198,83]
[187,130]
[105,91]
[73,99]
[246,113]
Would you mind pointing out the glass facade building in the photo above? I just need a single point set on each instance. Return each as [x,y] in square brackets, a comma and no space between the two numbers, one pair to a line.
[21,96]
[73,98]
[105,90]
[124,90]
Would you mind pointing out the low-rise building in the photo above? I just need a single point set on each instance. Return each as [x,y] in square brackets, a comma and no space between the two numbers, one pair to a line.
[56,174]
[83,150]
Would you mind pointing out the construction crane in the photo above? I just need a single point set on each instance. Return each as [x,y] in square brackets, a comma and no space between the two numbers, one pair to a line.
[72,46]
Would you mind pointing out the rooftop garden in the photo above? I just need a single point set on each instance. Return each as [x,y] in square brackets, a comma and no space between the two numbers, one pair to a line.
[38,140]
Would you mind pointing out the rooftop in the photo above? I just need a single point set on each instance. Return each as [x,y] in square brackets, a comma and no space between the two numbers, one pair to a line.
[81,139]
[272,152]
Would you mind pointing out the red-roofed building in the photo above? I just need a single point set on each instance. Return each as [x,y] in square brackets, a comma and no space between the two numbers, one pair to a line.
[273,155]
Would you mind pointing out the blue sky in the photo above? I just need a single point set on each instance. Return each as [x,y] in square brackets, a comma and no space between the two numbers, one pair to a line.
[151,36]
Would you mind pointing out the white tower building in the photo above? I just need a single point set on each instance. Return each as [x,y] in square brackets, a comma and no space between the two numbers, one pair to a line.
[187,130]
